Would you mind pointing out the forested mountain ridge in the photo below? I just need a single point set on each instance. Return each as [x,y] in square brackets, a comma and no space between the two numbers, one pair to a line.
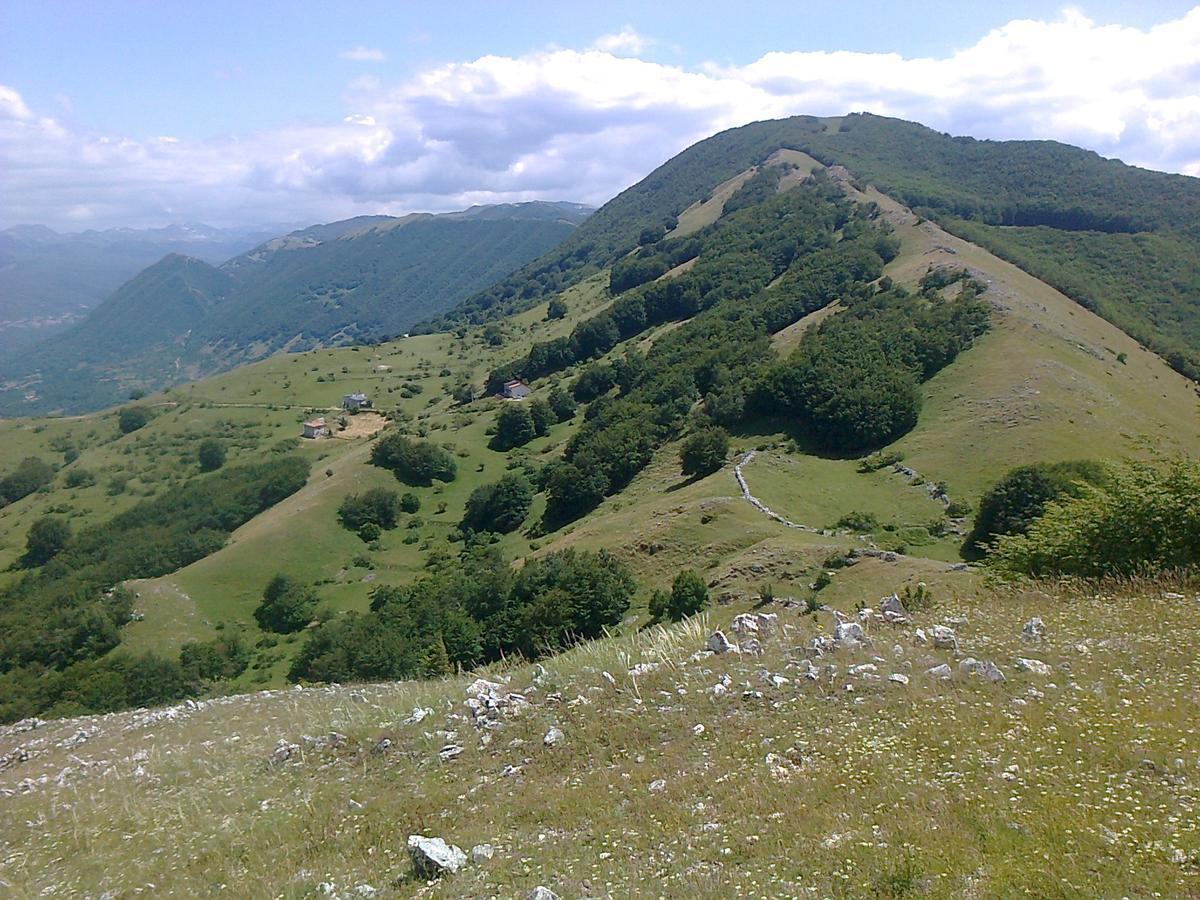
[1120,240]
[813,332]
[49,280]
[363,279]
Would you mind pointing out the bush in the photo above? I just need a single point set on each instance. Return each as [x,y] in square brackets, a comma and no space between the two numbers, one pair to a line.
[500,507]
[514,427]
[414,462]
[210,454]
[561,404]
[1144,518]
[689,595]
[557,309]
[287,605]
[77,478]
[704,451]
[30,475]
[1018,499]
[660,604]
[131,418]
[47,537]
[858,521]
[410,502]
[378,506]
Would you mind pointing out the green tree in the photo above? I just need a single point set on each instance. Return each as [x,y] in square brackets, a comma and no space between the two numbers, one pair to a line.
[48,536]
[542,415]
[30,475]
[514,427]
[1144,519]
[413,462]
[561,404]
[572,491]
[378,506]
[1018,499]
[689,595]
[704,451]
[410,502]
[557,309]
[210,454]
[500,507]
[131,418]
[660,604]
[287,605]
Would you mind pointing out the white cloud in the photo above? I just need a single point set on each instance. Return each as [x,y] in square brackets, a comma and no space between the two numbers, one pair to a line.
[363,54]
[626,42]
[584,124]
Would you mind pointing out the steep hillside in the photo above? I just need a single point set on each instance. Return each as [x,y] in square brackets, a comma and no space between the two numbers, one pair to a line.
[1119,240]
[875,373]
[50,280]
[648,765]
[364,279]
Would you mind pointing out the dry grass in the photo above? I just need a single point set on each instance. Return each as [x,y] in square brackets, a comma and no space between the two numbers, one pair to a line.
[1080,783]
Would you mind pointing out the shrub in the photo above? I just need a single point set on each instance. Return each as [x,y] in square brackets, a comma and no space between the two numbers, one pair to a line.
[858,521]
[500,507]
[414,462]
[561,404]
[704,451]
[689,595]
[287,605]
[660,604]
[515,427]
[378,506]
[131,418]
[410,502]
[77,478]
[1145,517]
[210,455]
[47,537]
[557,309]
[30,475]
[1018,499]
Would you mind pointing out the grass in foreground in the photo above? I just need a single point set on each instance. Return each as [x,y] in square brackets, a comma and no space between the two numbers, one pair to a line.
[1081,782]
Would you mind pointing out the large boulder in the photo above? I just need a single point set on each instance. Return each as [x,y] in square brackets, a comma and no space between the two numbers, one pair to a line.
[433,857]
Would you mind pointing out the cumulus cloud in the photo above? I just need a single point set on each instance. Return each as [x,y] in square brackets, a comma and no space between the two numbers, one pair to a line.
[363,54]
[584,124]
[626,42]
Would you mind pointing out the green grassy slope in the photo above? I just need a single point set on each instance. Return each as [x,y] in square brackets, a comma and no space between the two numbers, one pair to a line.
[1079,782]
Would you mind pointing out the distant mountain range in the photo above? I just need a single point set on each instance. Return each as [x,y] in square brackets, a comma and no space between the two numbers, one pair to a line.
[50,280]
[361,279]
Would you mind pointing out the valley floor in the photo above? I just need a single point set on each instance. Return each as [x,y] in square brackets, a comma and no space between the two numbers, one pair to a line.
[646,765]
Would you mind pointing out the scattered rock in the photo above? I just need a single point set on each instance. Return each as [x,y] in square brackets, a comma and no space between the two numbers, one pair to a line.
[943,672]
[718,643]
[891,606]
[658,785]
[541,893]
[1036,666]
[418,715]
[1033,630]
[481,853]
[986,670]
[897,678]
[553,736]
[849,633]
[433,857]
[284,750]
[944,637]
[450,751]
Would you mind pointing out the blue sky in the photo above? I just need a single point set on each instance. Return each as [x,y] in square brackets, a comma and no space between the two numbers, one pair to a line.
[141,113]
